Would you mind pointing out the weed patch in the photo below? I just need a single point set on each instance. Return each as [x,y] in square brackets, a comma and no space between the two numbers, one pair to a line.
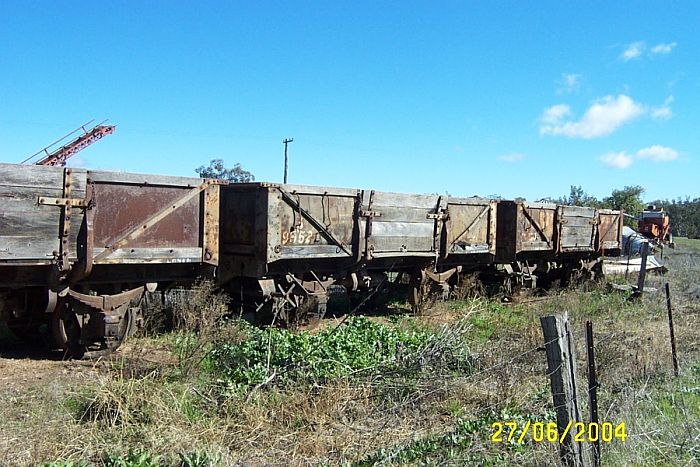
[359,347]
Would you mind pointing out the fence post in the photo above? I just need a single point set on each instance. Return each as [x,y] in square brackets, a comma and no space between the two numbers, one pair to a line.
[562,374]
[670,327]
[643,270]
[592,389]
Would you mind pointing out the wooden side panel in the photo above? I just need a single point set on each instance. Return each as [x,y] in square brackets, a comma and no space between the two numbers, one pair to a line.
[402,226]
[268,228]
[469,227]
[293,230]
[536,227]
[610,232]
[577,228]
[29,231]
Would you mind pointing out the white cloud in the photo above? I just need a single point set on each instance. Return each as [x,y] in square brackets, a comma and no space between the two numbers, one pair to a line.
[602,118]
[512,157]
[633,50]
[664,111]
[663,49]
[554,114]
[618,160]
[658,153]
[570,82]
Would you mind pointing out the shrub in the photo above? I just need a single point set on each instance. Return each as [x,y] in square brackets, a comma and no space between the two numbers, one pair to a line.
[360,345]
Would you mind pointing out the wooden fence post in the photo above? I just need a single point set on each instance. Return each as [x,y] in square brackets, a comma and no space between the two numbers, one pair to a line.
[562,373]
[643,270]
[670,327]
[592,389]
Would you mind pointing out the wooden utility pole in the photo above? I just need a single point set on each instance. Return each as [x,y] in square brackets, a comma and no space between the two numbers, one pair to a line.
[561,365]
[286,142]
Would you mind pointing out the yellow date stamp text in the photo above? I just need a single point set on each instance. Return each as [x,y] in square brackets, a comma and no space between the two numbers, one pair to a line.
[514,432]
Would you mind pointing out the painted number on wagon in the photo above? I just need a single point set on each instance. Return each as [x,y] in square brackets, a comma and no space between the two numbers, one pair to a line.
[299,237]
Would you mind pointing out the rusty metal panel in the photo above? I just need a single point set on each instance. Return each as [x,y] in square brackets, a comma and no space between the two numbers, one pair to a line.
[610,232]
[577,229]
[470,226]
[133,213]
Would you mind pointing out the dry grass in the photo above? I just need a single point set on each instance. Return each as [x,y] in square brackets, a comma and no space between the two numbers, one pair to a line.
[145,398]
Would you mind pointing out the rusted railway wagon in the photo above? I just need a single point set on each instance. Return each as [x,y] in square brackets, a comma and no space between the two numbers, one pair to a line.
[550,241]
[288,243]
[78,248]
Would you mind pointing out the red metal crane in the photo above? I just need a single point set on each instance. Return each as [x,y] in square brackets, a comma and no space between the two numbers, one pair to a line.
[59,156]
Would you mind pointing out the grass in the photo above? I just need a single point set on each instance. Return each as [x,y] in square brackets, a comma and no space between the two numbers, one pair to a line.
[392,389]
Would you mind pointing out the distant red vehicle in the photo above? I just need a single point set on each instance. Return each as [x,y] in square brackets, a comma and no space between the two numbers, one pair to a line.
[655,224]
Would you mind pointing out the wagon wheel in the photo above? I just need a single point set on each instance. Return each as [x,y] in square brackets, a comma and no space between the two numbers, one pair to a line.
[127,327]
[419,292]
[312,310]
[29,321]
[65,331]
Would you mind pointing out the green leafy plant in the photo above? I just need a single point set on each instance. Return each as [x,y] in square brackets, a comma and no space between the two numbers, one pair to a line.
[360,345]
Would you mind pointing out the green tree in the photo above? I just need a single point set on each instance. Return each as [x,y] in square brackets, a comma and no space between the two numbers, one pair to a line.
[216,169]
[578,197]
[629,199]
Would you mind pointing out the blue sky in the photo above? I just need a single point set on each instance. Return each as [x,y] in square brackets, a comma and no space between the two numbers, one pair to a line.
[508,98]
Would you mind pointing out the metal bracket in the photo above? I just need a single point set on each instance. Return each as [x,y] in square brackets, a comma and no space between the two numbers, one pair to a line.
[366,200]
[66,203]
[75,202]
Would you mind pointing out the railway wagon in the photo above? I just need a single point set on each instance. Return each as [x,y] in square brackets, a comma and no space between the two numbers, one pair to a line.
[283,245]
[550,241]
[78,248]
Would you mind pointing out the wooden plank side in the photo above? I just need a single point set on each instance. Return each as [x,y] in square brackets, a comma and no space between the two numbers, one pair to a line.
[579,222]
[406,245]
[577,211]
[126,178]
[404,200]
[312,190]
[468,224]
[153,255]
[403,214]
[17,248]
[535,228]
[20,210]
[311,251]
[30,231]
[36,176]
[291,226]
